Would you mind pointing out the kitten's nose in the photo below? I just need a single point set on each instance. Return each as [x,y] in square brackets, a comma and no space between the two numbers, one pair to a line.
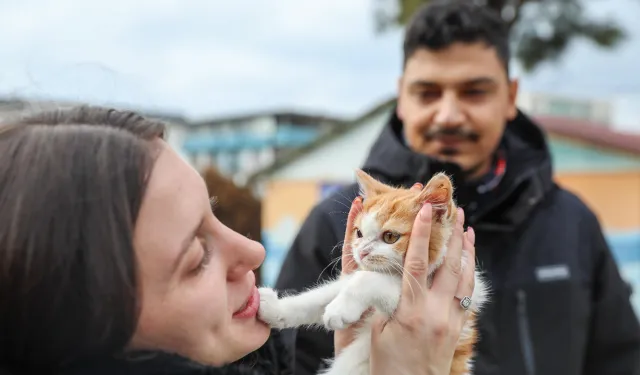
[364,253]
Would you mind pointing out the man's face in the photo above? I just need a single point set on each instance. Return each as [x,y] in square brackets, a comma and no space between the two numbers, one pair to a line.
[455,103]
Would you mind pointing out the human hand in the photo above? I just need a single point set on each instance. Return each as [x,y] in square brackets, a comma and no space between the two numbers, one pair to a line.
[422,336]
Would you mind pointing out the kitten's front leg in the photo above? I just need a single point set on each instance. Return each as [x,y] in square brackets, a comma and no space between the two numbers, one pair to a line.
[297,310]
[365,289]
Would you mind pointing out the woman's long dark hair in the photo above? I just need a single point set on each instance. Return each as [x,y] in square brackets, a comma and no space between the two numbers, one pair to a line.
[71,186]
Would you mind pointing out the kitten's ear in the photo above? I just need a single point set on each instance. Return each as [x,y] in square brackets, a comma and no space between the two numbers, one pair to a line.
[369,186]
[438,191]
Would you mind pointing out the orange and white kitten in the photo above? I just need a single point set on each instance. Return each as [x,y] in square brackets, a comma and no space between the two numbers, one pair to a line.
[379,244]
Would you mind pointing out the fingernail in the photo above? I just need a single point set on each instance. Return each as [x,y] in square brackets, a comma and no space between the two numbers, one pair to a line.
[471,235]
[425,212]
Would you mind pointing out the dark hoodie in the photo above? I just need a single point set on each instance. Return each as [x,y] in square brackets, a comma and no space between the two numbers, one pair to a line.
[558,304]
[271,359]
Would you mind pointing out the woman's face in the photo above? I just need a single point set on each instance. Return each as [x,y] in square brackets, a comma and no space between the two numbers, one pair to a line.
[196,274]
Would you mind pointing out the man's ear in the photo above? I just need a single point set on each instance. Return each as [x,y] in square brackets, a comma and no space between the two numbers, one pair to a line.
[512,111]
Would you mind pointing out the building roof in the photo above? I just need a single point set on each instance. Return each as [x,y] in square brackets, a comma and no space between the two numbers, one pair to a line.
[335,132]
[589,132]
[575,129]
[280,116]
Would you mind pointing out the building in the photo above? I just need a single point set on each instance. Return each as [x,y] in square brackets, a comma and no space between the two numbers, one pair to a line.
[241,145]
[598,164]
[599,111]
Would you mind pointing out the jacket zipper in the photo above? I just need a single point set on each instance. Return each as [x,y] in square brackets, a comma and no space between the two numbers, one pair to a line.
[525,334]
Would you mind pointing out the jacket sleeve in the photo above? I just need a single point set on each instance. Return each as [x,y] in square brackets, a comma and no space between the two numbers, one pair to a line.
[614,345]
[306,264]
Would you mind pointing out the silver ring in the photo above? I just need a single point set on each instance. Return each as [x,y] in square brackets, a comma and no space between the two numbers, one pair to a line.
[465,302]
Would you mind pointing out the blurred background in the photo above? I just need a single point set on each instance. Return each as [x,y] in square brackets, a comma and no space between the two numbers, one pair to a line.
[276,102]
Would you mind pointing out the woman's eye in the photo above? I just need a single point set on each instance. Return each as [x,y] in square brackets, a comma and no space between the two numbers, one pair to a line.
[206,255]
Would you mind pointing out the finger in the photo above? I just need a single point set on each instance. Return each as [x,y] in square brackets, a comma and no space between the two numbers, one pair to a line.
[445,281]
[467,283]
[347,262]
[379,323]
[416,263]
[416,187]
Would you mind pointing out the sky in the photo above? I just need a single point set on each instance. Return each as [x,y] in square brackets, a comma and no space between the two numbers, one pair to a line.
[207,58]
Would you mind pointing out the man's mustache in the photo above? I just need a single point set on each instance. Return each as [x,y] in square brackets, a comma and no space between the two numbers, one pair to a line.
[460,132]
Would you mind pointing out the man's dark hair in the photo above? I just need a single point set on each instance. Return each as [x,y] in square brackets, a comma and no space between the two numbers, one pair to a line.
[439,24]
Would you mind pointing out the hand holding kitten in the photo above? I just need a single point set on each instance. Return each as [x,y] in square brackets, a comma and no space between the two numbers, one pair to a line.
[426,328]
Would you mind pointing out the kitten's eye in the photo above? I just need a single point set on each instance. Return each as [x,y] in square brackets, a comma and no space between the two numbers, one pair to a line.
[390,237]
[358,233]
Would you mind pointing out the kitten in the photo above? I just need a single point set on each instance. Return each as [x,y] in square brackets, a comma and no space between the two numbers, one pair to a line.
[379,244]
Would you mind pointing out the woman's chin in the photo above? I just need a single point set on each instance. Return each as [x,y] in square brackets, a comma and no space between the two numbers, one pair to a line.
[250,336]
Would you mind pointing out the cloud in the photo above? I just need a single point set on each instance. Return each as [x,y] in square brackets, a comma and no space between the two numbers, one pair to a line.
[206,58]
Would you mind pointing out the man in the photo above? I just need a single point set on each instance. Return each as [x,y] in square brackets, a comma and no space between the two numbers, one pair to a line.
[558,304]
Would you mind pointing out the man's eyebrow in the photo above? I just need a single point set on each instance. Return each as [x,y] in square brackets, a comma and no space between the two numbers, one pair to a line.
[184,245]
[421,83]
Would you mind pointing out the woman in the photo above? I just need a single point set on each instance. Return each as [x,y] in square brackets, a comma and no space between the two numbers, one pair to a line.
[111,259]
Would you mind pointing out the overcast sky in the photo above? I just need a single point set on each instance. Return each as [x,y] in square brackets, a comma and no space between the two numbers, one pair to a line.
[207,57]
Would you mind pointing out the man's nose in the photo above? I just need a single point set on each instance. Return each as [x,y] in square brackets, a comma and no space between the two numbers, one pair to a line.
[449,111]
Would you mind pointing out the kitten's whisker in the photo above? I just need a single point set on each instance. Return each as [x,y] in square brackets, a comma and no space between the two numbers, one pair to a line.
[336,264]
[342,203]
[414,279]
[400,269]
[339,212]
[339,244]
[332,263]
[343,196]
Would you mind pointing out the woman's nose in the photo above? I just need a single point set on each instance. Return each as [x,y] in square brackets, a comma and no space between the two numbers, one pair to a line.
[243,255]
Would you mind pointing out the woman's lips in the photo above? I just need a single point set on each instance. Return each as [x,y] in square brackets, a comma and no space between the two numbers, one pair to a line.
[250,308]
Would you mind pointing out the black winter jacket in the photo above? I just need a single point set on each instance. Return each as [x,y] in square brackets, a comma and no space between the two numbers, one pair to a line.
[558,303]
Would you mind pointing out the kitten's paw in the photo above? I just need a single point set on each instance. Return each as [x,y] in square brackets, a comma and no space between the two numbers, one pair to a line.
[269,311]
[341,313]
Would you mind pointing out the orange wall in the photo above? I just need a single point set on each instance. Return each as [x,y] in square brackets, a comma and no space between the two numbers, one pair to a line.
[615,196]
[288,198]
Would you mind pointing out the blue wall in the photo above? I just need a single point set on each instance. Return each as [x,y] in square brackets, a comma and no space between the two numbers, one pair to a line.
[285,137]
[626,250]
[578,157]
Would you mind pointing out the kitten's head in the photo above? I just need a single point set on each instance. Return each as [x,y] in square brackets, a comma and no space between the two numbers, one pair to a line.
[383,227]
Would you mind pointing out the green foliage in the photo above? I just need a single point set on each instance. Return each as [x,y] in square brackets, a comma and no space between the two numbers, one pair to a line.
[541,30]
